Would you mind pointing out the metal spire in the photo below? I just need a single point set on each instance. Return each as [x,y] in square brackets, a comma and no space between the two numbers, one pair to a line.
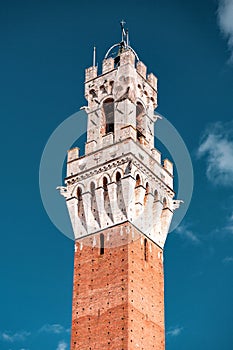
[94,56]
[124,44]
[123,33]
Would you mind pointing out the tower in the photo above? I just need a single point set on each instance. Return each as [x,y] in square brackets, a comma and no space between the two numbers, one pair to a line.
[120,200]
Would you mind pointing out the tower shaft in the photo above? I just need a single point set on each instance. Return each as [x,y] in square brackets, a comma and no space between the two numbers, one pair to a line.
[118,296]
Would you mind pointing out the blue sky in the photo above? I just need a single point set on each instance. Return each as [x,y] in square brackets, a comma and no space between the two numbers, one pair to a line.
[45,47]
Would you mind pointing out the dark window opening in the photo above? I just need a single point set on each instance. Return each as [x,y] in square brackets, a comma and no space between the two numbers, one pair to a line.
[118,177]
[92,195]
[156,196]
[105,182]
[80,204]
[138,181]
[105,187]
[139,135]
[164,203]
[79,194]
[108,107]
[101,244]
[116,61]
[145,249]
[146,193]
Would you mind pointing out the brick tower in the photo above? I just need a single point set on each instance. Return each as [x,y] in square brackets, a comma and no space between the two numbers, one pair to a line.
[120,201]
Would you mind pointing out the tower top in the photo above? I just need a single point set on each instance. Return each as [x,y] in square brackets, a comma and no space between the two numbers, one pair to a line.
[123,45]
[122,177]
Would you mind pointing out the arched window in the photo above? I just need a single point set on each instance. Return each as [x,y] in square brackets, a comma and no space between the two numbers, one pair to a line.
[120,199]
[80,208]
[92,188]
[111,84]
[108,107]
[145,249]
[146,193]
[94,207]
[105,186]
[164,203]
[107,205]
[79,193]
[137,188]
[80,203]
[118,177]
[156,196]
[140,115]
[101,244]
[138,181]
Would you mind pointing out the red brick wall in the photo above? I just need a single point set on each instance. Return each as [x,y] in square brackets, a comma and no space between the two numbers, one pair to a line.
[118,296]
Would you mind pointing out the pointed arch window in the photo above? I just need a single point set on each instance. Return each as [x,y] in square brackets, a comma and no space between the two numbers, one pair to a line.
[118,177]
[106,198]
[146,193]
[156,196]
[137,188]
[93,199]
[80,207]
[80,203]
[164,203]
[163,214]
[105,187]
[120,200]
[138,181]
[108,107]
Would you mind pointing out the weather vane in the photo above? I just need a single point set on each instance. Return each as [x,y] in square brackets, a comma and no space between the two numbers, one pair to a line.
[124,44]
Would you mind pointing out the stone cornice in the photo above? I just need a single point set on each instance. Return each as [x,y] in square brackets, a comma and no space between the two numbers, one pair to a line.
[101,168]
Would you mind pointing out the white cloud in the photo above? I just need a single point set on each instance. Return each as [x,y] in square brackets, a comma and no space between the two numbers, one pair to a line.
[62,345]
[188,234]
[225,22]
[174,332]
[14,337]
[217,148]
[52,328]
[228,259]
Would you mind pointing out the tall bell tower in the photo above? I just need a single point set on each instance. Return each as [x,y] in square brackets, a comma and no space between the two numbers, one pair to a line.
[120,200]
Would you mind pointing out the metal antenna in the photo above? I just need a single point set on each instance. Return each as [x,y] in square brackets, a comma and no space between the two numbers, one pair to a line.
[94,56]
[123,34]
[127,37]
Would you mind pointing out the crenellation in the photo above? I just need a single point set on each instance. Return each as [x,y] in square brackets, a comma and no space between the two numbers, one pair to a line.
[90,147]
[108,65]
[127,57]
[126,132]
[168,165]
[141,69]
[152,80]
[107,139]
[90,73]
[72,154]
[156,154]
